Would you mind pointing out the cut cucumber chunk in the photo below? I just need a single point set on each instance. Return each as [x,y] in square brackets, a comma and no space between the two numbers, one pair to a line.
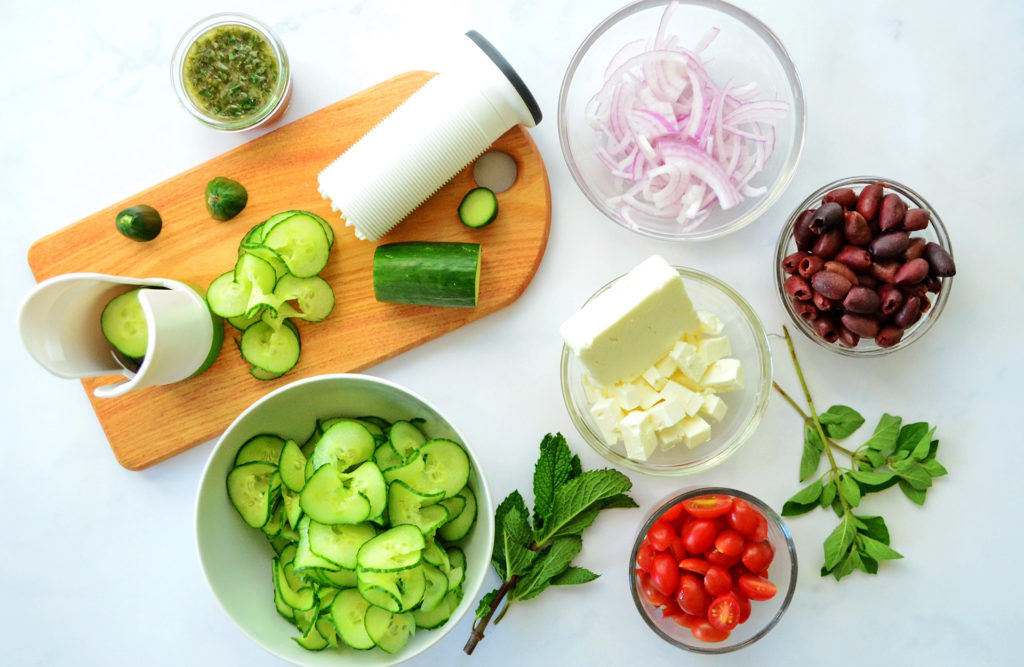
[405,438]
[329,497]
[348,611]
[273,351]
[124,324]
[313,295]
[427,273]
[250,493]
[396,549]
[264,447]
[293,466]
[407,507]
[458,528]
[389,631]
[345,444]
[478,208]
[339,544]
[302,244]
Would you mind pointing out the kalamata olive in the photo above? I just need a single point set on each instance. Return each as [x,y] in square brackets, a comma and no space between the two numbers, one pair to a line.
[940,261]
[856,228]
[869,200]
[830,285]
[822,302]
[912,272]
[908,313]
[888,336]
[890,245]
[856,258]
[915,249]
[891,298]
[806,310]
[792,262]
[916,219]
[827,328]
[845,197]
[933,284]
[847,338]
[810,265]
[862,300]
[885,270]
[867,280]
[863,326]
[798,288]
[843,270]
[829,216]
[828,244]
[890,215]
[803,235]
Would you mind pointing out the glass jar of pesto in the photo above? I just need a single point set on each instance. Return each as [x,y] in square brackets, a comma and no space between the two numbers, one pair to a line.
[231,72]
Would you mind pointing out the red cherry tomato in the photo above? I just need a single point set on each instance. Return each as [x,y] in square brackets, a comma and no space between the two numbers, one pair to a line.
[716,557]
[691,597]
[660,535]
[653,595]
[756,588]
[730,542]
[671,608]
[695,565]
[686,620]
[760,533]
[708,507]
[706,632]
[717,581]
[757,556]
[665,573]
[673,513]
[743,517]
[743,602]
[645,556]
[724,612]
[677,548]
[699,535]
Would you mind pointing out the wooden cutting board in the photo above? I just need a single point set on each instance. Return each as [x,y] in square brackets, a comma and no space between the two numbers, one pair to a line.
[279,171]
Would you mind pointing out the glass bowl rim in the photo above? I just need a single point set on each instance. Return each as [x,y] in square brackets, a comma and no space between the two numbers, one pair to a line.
[729,448]
[671,500]
[281,91]
[786,236]
[788,170]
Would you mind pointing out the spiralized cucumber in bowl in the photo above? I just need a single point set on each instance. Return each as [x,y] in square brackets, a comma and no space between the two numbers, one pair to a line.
[680,141]
[366,519]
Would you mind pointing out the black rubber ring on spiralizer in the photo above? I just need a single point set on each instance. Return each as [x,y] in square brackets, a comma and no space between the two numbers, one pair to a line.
[510,74]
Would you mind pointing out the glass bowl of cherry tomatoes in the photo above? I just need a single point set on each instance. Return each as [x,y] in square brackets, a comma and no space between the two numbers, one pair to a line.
[712,569]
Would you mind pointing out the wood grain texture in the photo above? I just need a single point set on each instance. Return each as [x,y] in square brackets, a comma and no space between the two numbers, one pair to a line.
[279,170]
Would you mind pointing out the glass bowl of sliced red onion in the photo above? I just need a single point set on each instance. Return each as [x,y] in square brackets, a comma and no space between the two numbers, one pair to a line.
[681,120]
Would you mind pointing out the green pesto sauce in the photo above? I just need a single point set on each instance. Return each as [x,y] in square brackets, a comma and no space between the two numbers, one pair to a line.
[231,72]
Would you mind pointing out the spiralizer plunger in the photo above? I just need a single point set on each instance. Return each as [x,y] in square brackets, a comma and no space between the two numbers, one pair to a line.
[428,139]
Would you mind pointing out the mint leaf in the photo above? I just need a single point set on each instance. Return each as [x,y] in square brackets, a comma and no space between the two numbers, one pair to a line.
[511,501]
[813,449]
[552,470]
[804,500]
[828,493]
[923,446]
[851,492]
[840,421]
[884,438]
[915,475]
[847,565]
[868,564]
[516,543]
[934,468]
[573,576]
[839,541]
[575,467]
[909,491]
[874,527]
[910,435]
[554,561]
[484,607]
[575,496]
[877,550]
[870,477]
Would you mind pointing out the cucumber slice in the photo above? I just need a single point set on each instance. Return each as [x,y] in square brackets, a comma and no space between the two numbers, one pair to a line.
[264,447]
[455,506]
[330,498]
[299,598]
[272,528]
[261,374]
[305,559]
[427,273]
[348,611]
[439,465]
[344,444]
[252,238]
[273,351]
[282,608]
[270,222]
[436,587]
[394,591]
[339,544]
[240,322]
[312,640]
[314,296]
[376,431]
[458,528]
[304,618]
[276,318]
[435,618]
[408,507]
[227,297]
[457,568]
[325,626]
[405,438]
[292,508]
[270,257]
[302,244]
[391,632]
[368,481]
[396,549]
[249,491]
[124,324]
[340,578]
[259,277]
[386,458]
[293,465]
[478,208]
[434,555]
[383,424]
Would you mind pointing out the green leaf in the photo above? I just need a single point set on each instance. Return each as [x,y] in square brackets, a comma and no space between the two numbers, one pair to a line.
[554,561]
[620,501]
[813,449]
[804,500]
[934,468]
[872,478]
[828,493]
[573,576]
[909,491]
[584,519]
[923,446]
[511,501]
[578,494]
[838,543]
[878,550]
[910,435]
[874,527]
[851,492]
[846,566]
[868,564]
[840,421]
[551,471]
[884,438]
[575,467]
[484,607]
[516,544]
[874,458]
[916,476]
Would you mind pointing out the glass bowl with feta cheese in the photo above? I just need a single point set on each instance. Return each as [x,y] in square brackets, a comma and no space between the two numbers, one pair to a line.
[701,394]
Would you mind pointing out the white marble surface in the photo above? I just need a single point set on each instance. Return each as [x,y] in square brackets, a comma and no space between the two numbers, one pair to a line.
[98,565]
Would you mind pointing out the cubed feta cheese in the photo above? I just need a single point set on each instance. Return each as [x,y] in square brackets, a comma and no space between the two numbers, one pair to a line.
[648,396]
[714,348]
[714,407]
[638,435]
[627,395]
[667,413]
[671,436]
[594,394]
[690,400]
[688,360]
[692,385]
[607,415]
[723,375]
[710,323]
[696,430]
[654,378]
[666,367]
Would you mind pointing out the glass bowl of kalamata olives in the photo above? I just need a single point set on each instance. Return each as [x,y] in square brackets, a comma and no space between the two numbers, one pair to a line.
[864,266]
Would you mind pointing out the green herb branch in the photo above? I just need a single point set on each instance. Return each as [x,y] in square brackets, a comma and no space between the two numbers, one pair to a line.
[529,556]
[895,454]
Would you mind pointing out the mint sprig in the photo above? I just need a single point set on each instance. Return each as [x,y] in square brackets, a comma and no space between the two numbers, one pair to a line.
[896,454]
[530,558]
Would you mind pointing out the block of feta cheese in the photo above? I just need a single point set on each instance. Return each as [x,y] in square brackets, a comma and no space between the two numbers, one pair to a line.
[691,400]
[714,348]
[713,407]
[723,375]
[638,435]
[688,360]
[696,430]
[630,326]
[607,415]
